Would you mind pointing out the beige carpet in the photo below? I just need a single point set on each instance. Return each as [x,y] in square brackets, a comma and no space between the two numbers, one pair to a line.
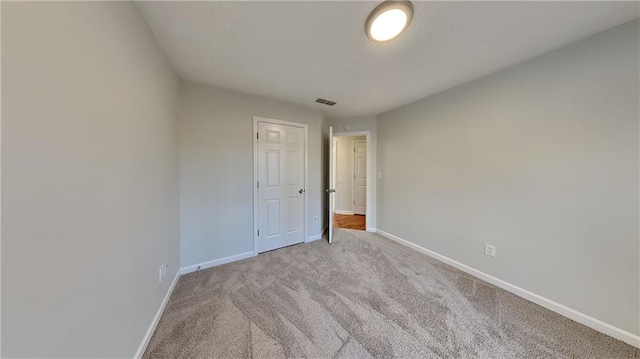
[363,296]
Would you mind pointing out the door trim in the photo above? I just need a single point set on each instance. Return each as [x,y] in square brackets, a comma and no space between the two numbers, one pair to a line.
[367,134]
[305,128]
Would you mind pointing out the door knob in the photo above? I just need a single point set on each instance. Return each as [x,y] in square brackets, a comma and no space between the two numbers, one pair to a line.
[300,191]
[329,190]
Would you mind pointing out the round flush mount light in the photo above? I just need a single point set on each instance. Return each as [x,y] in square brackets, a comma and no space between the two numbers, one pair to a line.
[388,20]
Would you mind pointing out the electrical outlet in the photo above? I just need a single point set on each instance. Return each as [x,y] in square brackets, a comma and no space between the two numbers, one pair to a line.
[489,250]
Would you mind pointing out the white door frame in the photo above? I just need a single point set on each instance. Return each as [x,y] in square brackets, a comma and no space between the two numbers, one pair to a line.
[305,127]
[367,134]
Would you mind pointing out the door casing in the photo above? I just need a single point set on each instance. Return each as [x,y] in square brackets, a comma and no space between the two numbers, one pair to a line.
[367,134]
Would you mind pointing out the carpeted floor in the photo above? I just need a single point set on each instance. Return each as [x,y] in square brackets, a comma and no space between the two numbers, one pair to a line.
[363,296]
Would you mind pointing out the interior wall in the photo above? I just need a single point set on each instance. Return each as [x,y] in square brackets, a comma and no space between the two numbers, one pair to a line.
[90,179]
[216,169]
[540,160]
[364,123]
[344,173]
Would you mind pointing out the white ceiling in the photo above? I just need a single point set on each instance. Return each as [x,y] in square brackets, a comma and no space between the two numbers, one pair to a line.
[299,51]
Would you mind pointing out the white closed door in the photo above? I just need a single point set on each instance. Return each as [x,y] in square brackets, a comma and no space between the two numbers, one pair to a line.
[280,186]
[359,177]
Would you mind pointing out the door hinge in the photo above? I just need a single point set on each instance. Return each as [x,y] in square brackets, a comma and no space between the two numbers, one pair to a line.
[257,135]
[258,184]
[258,233]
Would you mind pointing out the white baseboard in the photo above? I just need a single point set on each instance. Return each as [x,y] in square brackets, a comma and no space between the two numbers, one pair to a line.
[313,238]
[372,230]
[156,319]
[216,262]
[317,236]
[348,213]
[570,313]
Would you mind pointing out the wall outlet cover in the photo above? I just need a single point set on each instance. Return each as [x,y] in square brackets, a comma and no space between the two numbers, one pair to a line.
[489,250]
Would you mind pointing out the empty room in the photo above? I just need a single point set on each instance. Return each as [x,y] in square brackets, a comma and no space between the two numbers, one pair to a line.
[320,179]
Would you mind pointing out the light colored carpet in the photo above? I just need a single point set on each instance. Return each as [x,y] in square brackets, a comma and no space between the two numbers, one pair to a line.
[363,296]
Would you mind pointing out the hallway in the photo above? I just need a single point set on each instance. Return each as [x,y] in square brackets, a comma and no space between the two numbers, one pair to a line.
[346,221]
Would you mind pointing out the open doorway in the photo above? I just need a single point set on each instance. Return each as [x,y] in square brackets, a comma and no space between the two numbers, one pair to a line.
[350,178]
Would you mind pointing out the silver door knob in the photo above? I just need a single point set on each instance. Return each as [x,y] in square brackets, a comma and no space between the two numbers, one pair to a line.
[300,191]
[329,190]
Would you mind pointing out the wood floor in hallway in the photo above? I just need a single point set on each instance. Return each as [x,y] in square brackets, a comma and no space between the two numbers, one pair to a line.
[346,221]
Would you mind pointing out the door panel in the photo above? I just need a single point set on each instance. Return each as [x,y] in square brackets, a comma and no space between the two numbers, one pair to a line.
[292,213]
[293,168]
[280,186]
[360,177]
[273,168]
[273,217]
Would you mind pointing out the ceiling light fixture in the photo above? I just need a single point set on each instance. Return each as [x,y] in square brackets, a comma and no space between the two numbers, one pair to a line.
[388,20]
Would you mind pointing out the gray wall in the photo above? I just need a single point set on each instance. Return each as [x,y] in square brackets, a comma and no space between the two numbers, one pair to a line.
[541,160]
[90,179]
[364,123]
[216,169]
[344,172]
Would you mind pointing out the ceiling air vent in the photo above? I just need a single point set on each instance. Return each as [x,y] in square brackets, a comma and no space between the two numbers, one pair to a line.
[325,102]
